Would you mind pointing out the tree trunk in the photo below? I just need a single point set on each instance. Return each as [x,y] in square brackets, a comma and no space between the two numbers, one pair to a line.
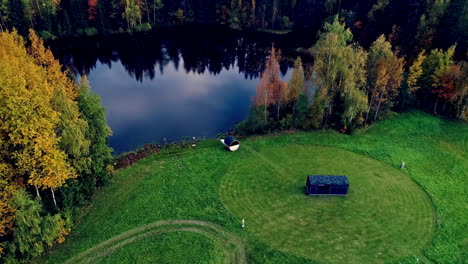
[253,13]
[147,10]
[38,8]
[368,109]
[273,14]
[30,21]
[462,112]
[263,16]
[435,106]
[37,192]
[378,106]
[266,101]
[278,105]
[53,196]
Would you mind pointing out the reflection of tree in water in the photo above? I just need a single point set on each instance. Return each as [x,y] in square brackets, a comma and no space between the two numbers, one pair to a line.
[199,49]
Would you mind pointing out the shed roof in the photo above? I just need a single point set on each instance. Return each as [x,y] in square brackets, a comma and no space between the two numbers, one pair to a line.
[332,180]
[230,140]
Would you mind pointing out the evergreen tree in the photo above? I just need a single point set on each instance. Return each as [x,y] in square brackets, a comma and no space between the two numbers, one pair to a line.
[17,16]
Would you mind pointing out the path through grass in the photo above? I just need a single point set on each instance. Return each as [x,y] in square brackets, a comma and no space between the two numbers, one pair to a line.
[231,244]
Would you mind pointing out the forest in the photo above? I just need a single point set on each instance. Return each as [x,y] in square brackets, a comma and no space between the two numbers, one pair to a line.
[370,59]
[412,25]
[53,148]
[356,87]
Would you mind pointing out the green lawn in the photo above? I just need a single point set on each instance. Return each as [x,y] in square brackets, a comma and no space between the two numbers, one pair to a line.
[191,248]
[197,184]
[384,217]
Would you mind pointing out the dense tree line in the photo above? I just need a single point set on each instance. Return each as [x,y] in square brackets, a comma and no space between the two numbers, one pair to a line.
[53,147]
[356,87]
[411,25]
[189,48]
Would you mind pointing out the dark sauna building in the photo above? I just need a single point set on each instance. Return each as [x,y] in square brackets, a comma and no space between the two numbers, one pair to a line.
[327,185]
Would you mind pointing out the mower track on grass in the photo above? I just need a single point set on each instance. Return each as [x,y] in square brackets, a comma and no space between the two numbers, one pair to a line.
[230,243]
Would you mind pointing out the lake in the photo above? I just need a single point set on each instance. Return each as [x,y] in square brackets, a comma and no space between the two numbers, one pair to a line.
[175,82]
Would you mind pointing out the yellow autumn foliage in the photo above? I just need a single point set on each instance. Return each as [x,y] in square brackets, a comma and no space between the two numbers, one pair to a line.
[41,133]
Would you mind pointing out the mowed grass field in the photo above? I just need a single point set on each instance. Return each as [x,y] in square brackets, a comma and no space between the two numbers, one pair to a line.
[384,217]
[391,215]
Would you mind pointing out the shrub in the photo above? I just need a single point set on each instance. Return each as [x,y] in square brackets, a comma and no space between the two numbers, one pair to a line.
[286,122]
[286,23]
[255,122]
[79,32]
[90,31]
[234,22]
[46,35]
[34,231]
[143,27]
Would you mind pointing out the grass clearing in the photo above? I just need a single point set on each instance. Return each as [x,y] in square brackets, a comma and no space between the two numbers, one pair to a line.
[151,250]
[186,185]
[228,243]
[384,217]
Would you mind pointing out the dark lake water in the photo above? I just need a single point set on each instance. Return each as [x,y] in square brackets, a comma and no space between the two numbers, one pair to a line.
[174,83]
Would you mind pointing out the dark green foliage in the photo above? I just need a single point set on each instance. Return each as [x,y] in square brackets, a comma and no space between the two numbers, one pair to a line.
[286,122]
[302,112]
[78,191]
[255,123]
[98,132]
[17,17]
[65,26]
[413,25]
[90,31]
[34,231]
[103,23]
[286,23]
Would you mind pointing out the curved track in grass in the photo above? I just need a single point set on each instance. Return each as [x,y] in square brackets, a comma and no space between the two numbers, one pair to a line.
[230,243]
[384,217]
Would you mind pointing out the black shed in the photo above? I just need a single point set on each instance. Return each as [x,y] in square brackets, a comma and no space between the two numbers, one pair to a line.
[327,185]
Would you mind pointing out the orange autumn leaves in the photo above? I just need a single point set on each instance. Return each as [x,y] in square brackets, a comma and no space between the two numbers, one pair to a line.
[270,89]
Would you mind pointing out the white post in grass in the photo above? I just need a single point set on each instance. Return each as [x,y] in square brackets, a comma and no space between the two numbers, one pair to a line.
[243,223]
[402,165]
